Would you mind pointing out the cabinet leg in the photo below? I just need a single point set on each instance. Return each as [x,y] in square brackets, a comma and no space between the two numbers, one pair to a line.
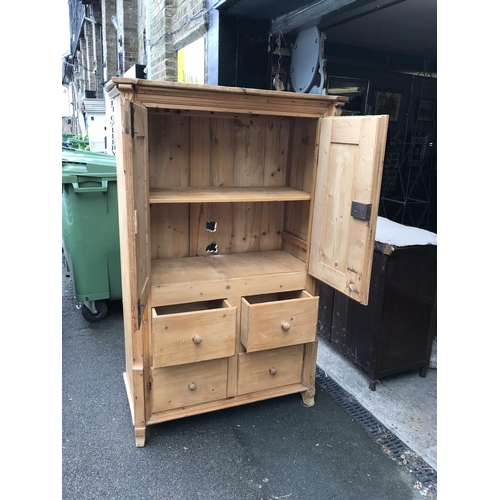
[423,372]
[140,436]
[308,398]
[373,385]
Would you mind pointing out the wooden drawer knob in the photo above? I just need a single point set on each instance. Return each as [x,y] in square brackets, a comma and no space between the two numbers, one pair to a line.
[197,339]
[192,386]
[285,326]
[273,370]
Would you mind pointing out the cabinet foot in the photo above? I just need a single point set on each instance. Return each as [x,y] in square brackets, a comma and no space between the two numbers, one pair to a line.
[308,398]
[423,372]
[373,385]
[140,436]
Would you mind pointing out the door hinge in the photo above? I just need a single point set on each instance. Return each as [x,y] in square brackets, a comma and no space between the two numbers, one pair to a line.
[362,211]
[135,221]
[139,313]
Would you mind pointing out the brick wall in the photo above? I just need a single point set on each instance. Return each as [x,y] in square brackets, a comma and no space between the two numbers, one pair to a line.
[190,22]
[163,54]
[108,9]
[130,35]
[174,24]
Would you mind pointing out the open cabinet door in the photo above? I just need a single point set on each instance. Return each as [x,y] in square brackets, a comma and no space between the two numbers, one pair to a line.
[349,174]
[136,178]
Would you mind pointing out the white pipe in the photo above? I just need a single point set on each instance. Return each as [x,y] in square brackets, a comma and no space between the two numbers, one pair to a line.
[148,39]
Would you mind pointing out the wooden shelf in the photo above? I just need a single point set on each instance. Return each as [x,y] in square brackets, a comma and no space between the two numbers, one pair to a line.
[226,195]
[174,281]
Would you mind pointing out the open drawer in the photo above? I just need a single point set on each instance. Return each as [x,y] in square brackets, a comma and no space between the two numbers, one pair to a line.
[278,320]
[187,333]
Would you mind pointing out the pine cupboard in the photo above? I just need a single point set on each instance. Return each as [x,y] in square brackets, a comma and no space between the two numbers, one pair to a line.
[233,203]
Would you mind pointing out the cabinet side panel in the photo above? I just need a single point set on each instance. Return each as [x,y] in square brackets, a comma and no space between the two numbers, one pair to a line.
[297,219]
[302,144]
[300,171]
[168,150]
[123,210]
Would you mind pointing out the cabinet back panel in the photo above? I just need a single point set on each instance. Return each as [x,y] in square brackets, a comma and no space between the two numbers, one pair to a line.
[241,227]
[212,150]
[179,230]
[241,151]
[169,155]
[245,151]
[169,226]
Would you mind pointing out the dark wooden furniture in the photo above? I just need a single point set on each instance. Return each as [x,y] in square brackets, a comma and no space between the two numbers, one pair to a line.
[395,331]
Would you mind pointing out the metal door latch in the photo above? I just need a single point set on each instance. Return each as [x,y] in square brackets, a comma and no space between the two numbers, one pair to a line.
[362,211]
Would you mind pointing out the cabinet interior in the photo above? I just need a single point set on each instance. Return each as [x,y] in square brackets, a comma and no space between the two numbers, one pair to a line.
[255,172]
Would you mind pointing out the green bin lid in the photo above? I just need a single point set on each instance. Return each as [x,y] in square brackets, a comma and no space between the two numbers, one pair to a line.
[79,163]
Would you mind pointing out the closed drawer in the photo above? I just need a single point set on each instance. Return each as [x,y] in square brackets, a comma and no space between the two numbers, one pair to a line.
[278,320]
[186,385]
[263,370]
[187,333]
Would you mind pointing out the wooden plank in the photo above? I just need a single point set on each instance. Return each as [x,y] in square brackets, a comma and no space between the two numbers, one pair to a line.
[294,240]
[226,195]
[249,152]
[246,227]
[271,226]
[169,226]
[217,267]
[276,151]
[212,162]
[169,151]
[216,289]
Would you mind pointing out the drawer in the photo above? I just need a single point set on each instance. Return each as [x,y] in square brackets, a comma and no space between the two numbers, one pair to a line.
[186,385]
[187,333]
[278,320]
[269,369]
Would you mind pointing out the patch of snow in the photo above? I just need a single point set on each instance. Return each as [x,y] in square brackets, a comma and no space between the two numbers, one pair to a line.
[398,235]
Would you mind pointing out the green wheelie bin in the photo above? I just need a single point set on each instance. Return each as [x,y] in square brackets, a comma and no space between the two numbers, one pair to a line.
[90,235]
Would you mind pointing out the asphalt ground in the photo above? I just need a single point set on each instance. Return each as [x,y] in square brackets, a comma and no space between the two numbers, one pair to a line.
[271,450]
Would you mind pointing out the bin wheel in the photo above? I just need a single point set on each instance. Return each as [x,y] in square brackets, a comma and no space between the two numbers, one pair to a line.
[102,310]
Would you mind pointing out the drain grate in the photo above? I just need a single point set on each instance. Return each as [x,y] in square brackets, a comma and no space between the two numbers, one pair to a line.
[391,445]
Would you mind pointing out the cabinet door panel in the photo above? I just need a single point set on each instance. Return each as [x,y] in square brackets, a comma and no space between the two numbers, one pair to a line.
[350,163]
[137,259]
